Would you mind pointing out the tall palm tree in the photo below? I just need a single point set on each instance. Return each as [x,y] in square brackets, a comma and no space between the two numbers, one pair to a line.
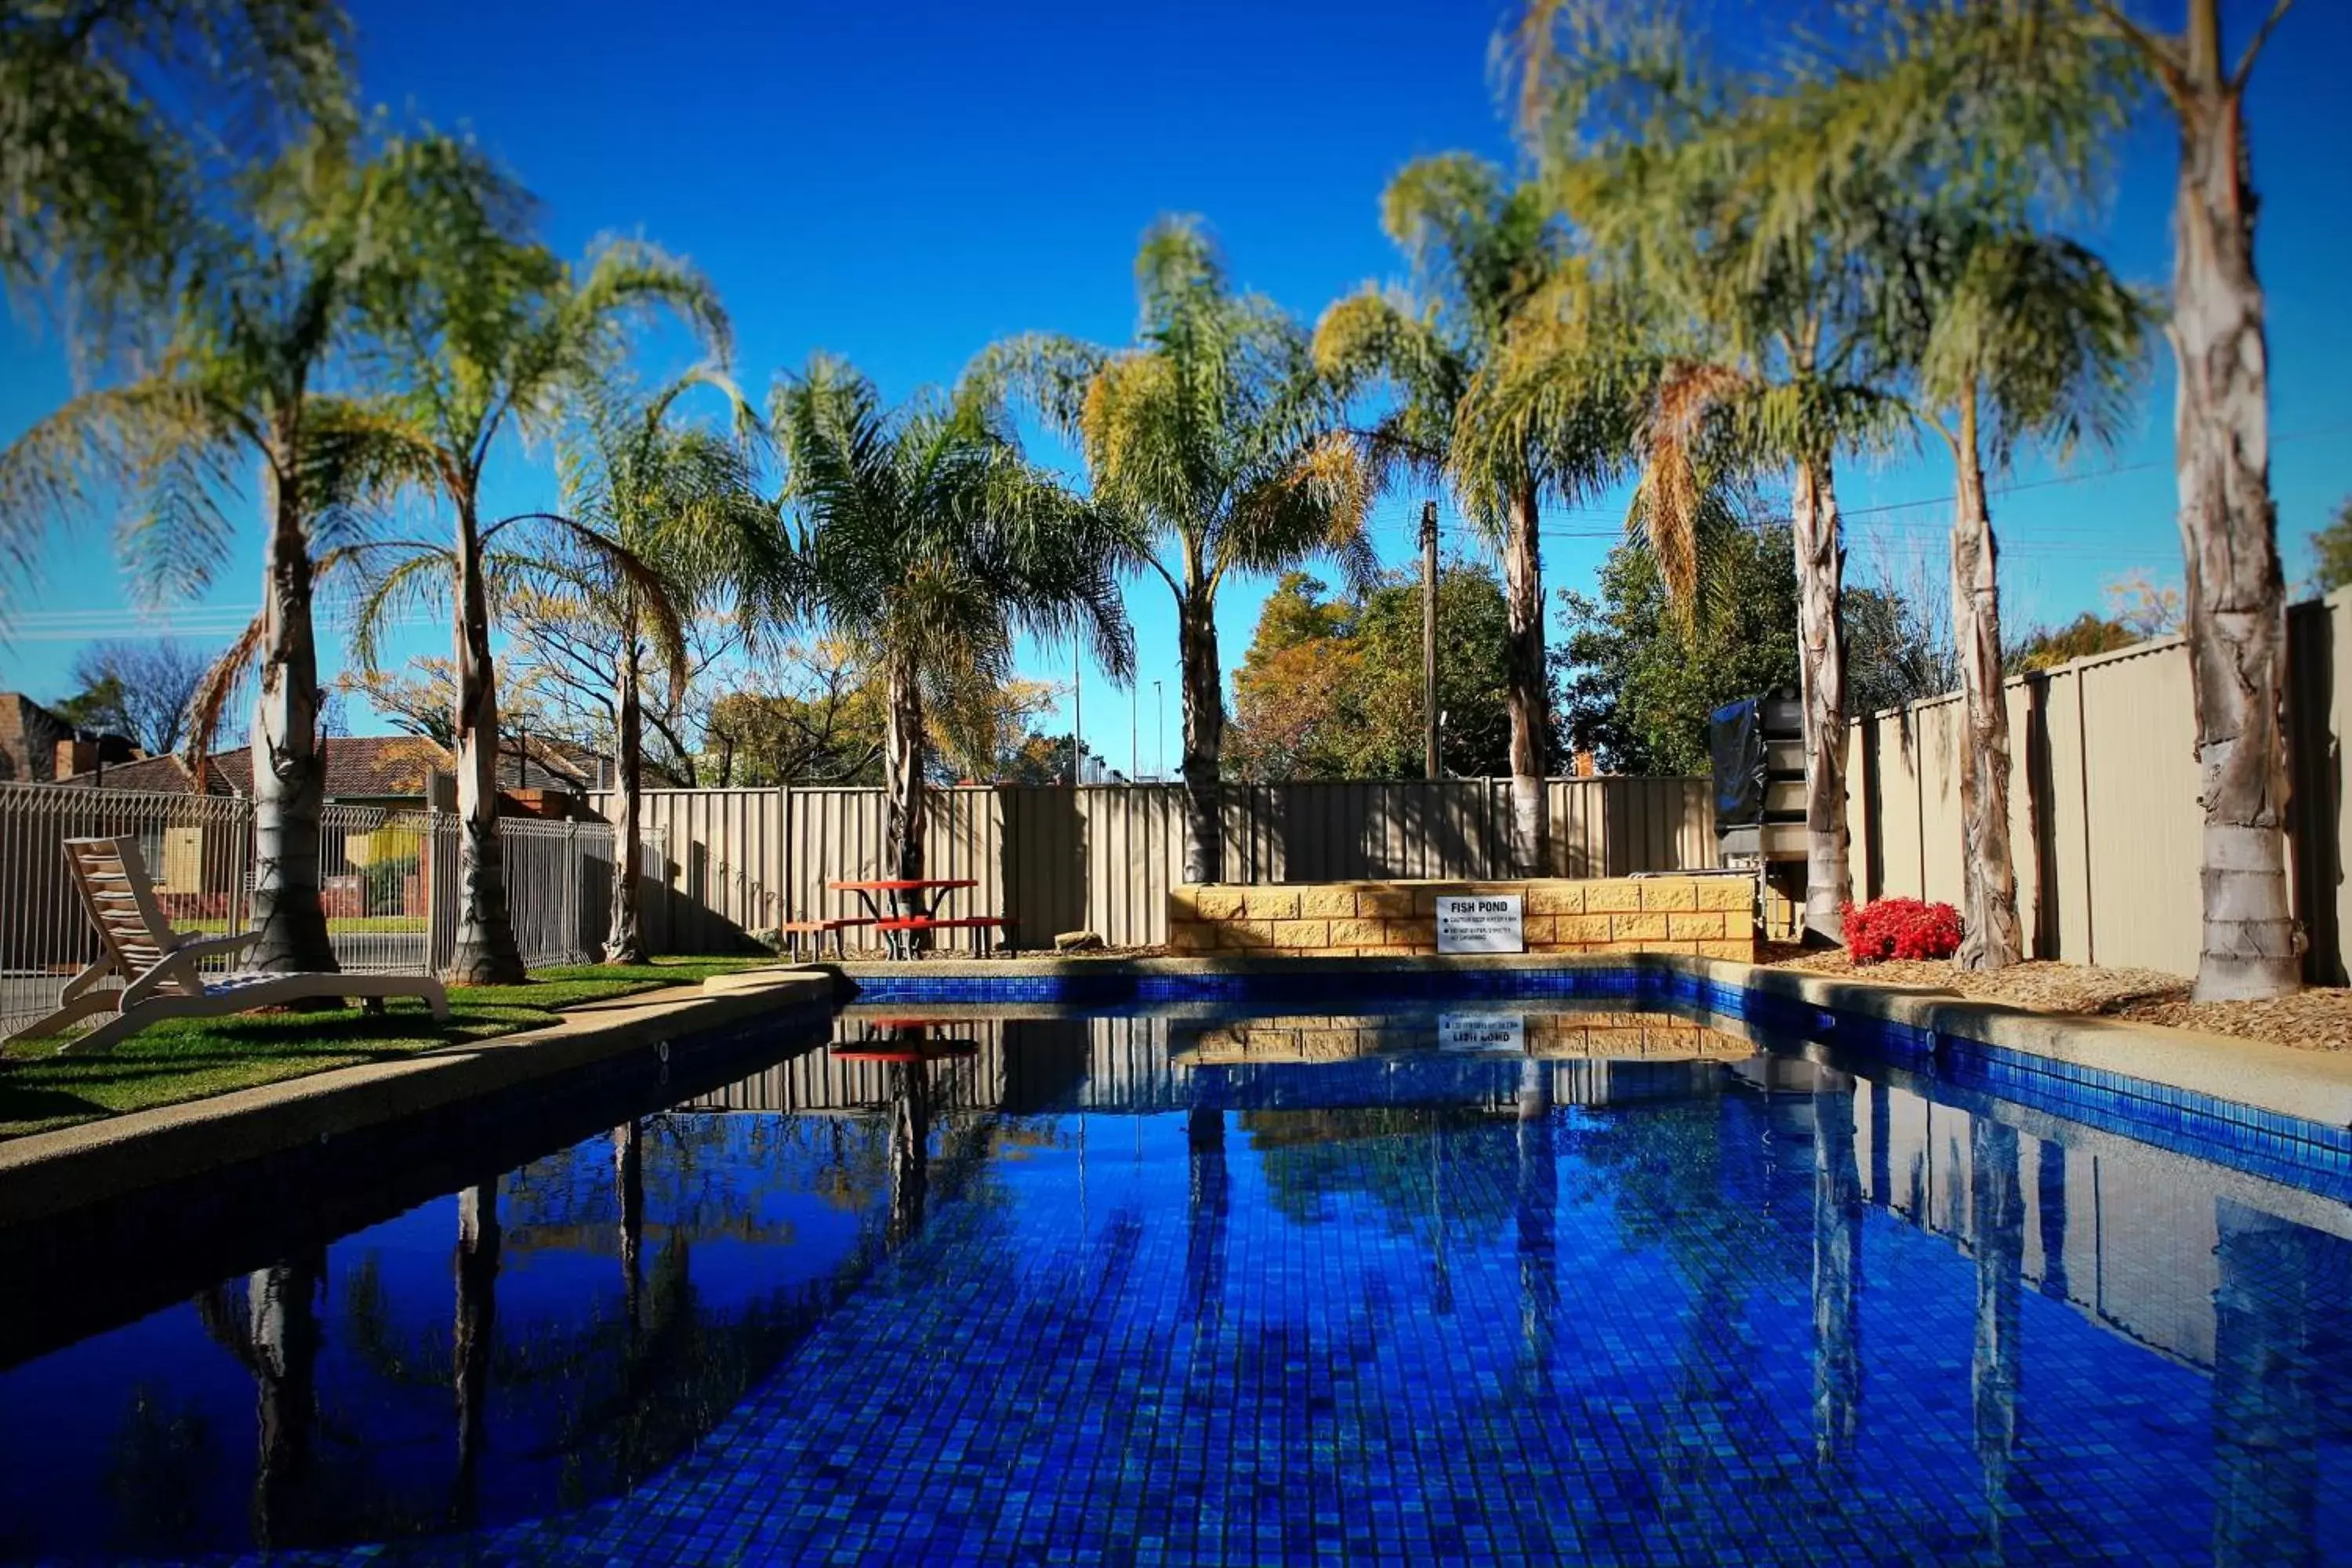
[254,331]
[931,543]
[103,168]
[667,524]
[1215,435]
[1482,252]
[2026,337]
[489,335]
[2229,524]
[1685,176]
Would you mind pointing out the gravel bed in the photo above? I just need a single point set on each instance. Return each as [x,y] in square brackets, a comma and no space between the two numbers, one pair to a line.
[2318,1019]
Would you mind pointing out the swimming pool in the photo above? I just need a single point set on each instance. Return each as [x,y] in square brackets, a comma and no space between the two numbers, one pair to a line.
[1407,1278]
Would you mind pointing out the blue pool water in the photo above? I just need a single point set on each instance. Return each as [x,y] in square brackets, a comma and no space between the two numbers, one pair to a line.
[1480,1279]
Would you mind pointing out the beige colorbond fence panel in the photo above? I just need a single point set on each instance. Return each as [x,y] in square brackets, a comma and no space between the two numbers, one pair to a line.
[1102,857]
[2144,823]
[2105,823]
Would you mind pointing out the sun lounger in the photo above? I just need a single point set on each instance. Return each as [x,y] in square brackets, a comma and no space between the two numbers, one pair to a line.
[158,965]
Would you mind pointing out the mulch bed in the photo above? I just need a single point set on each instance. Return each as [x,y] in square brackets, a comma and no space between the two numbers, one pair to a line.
[2319,1019]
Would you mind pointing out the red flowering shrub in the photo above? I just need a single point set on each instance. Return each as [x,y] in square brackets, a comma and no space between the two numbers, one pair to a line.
[1901,928]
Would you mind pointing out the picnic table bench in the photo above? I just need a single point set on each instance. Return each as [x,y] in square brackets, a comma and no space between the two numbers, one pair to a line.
[896,930]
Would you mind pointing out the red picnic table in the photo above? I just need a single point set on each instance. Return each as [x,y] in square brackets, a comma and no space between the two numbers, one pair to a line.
[898,929]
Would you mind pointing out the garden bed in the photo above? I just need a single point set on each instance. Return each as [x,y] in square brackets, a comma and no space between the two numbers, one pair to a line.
[2318,1019]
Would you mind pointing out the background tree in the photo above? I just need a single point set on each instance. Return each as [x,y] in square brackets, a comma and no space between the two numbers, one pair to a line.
[486,334]
[1332,687]
[141,689]
[122,115]
[1215,436]
[929,544]
[254,331]
[813,714]
[1638,681]
[2331,550]
[1481,250]
[664,527]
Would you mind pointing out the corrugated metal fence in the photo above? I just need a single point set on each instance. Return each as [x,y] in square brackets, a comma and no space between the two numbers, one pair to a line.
[2105,819]
[1101,857]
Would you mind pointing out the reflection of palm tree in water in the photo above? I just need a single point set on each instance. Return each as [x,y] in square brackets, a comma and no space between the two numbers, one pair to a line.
[476,1269]
[2274,1279]
[629,1184]
[1997,1228]
[277,1341]
[910,1150]
[1837,1273]
[1539,1213]
[1210,1197]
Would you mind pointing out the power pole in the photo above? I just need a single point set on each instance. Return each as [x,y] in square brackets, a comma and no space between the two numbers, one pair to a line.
[1429,764]
[1077,714]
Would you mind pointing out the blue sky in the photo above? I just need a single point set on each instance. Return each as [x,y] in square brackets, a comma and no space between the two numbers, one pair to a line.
[902,184]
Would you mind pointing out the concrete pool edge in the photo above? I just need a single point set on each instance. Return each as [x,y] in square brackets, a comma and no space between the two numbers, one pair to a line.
[45,1173]
[2281,1081]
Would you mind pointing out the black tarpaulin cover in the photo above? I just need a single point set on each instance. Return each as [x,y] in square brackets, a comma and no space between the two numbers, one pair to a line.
[1735,737]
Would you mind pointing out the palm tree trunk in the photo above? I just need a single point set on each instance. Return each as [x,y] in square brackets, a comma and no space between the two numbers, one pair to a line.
[902,801]
[1990,937]
[1204,732]
[2229,533]
[626,942]
[290,775]
[476,1269]
[485,952]
[1821,669]
[1526,690]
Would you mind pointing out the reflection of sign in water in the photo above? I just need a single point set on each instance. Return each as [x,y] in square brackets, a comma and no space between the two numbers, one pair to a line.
[1482,1032]
[1479,923]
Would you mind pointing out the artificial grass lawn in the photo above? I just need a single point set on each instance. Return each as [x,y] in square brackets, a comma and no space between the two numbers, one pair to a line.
[180,1060]
[337,925]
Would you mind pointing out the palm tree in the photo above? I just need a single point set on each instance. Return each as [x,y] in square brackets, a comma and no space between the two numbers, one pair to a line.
[1482,252]
[254,331]
[679,530]
[1776,271]
[930,544]
[102,170]
[2236,588]
[2026,337]
[490,334]
[1215,435]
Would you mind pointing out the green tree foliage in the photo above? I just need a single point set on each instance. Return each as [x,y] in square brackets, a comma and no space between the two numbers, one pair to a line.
[2331,550]
[1331,688]
[117,117]
[930,544]
[1636,688]
[1216,438]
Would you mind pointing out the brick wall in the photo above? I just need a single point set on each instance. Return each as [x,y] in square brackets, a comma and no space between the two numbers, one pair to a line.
[1713,917]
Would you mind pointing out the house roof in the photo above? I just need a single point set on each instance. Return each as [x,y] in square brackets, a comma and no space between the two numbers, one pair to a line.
[363,767]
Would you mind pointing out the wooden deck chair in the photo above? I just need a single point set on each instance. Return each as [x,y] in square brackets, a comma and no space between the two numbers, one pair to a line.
[158,965]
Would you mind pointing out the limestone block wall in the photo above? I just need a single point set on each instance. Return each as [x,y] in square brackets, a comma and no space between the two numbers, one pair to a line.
[1712,917]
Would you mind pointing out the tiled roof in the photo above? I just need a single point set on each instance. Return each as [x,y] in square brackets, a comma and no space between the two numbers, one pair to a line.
[363,767]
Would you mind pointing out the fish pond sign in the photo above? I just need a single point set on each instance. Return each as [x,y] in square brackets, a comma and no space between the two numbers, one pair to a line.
[1481,922]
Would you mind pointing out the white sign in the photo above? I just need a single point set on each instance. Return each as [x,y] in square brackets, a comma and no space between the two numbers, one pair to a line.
[1480,922]
[1482,1032]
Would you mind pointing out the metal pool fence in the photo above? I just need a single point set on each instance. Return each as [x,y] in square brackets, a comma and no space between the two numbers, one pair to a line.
[387,877]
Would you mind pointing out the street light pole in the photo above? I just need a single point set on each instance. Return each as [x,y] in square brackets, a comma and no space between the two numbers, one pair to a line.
[1077,714]
[1159,731]
[1431,767]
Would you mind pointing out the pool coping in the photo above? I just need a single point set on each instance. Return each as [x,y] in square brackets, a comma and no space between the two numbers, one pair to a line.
[45,1173]
[2280,1081]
